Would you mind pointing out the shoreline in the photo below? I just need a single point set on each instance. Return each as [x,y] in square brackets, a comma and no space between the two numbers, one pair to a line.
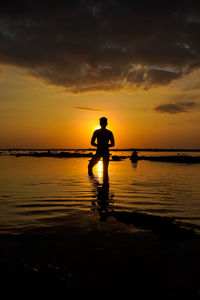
[186,159]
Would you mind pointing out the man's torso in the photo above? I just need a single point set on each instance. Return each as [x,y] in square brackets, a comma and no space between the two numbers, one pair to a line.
[103,136]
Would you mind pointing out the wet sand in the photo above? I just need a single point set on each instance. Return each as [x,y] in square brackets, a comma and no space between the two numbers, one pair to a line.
[99,260]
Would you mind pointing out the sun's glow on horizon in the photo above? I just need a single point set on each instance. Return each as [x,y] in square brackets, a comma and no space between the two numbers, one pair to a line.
[49,120]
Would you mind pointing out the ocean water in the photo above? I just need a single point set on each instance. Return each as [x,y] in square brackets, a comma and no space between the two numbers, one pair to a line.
[38,192]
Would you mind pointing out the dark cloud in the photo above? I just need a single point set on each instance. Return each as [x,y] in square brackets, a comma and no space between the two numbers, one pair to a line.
[175,108]
[86,108]
[88,45]
[149,77]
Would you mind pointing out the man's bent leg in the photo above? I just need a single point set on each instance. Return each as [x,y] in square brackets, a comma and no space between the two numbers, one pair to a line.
[93,162]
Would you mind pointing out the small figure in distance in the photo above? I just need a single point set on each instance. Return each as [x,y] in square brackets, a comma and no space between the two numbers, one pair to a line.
[134,156]
[105,140]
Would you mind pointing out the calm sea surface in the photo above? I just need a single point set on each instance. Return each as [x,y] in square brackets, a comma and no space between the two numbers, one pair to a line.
[42,191]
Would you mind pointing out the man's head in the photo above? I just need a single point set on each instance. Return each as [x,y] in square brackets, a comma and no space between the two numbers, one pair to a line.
[103,122]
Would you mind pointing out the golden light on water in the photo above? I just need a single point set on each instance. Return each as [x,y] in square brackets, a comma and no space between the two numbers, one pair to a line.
[100,169]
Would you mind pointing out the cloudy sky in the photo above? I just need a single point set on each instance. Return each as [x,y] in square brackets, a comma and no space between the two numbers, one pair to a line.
[64,64]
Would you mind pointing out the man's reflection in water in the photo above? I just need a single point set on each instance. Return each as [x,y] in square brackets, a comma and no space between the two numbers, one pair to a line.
[103,202]
[134,164]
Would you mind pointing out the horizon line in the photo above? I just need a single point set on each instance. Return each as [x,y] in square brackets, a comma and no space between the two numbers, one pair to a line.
[93,149]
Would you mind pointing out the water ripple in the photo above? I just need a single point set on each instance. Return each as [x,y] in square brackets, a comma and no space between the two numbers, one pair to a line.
[48,189]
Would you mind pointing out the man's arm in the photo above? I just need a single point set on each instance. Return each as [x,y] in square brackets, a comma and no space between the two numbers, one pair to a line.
[93,140]
[112,141]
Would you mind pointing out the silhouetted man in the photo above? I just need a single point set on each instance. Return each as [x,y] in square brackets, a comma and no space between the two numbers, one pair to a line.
[105,140]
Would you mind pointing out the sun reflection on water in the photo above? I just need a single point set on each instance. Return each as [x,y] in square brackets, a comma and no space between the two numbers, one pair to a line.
[100,169]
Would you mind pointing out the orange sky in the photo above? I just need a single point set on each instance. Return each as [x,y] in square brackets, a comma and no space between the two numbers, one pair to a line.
[35,114]
[65,64]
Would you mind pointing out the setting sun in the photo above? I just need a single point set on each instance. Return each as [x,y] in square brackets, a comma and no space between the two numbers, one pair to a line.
[96,127]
